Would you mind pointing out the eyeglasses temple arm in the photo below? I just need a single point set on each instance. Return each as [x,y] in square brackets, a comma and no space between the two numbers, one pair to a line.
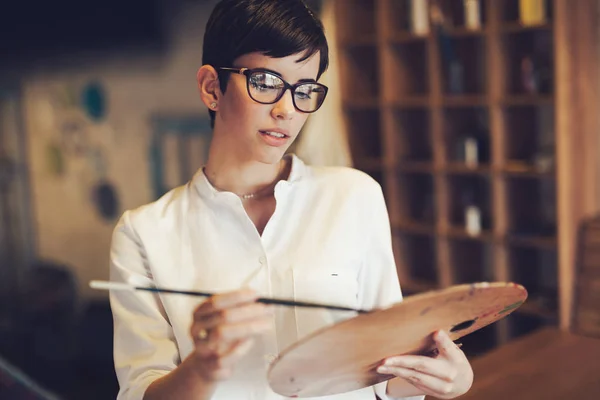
[236,70]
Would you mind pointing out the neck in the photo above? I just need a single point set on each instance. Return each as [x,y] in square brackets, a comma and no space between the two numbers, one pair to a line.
[226,171]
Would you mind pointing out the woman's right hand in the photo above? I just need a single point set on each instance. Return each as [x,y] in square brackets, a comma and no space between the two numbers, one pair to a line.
[223,330]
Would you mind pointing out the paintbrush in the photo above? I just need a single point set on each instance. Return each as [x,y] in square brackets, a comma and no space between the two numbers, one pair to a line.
[105,285]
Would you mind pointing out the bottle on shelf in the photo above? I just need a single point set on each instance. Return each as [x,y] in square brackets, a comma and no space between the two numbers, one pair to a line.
[472,212]
[472,148]
[532,12]
[419,11]
[472,9]
[536,75]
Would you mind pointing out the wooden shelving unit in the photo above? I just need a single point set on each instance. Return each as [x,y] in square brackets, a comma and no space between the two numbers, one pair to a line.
[408,113]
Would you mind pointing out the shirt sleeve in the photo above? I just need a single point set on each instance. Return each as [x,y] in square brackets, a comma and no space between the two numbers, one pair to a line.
[144,346]
[380,286]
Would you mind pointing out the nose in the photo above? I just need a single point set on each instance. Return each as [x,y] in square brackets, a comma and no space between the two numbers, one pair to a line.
[284,109]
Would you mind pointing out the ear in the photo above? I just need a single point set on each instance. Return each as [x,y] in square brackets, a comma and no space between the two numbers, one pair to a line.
[208,86]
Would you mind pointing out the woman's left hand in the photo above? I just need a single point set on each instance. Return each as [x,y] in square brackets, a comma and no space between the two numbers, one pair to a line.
[447,376]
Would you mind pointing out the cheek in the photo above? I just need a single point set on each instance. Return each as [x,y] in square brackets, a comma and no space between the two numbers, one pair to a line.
[299,122]
[238,106]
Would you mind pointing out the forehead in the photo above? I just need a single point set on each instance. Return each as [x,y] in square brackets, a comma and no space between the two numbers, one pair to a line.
[288,67]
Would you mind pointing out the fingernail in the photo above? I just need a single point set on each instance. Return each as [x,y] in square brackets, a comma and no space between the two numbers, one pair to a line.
[383,370]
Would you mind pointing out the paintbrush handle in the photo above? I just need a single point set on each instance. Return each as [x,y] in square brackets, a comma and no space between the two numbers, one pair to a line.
[264,300]
[124,286]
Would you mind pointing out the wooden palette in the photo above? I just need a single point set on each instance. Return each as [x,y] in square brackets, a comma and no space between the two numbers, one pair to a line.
[344,357]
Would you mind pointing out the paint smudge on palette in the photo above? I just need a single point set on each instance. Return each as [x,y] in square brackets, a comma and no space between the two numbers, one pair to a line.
[490,312]
[425,311]
[511,307]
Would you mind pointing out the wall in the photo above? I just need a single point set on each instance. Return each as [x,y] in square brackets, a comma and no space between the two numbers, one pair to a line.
[68,228]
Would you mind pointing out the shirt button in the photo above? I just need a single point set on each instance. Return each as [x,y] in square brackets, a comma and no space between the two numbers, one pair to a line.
[262,260]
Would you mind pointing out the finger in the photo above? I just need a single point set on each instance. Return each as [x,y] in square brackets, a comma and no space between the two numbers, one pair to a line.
[252,313]
[438,368]
[447,348]
[429,384]
[223,337]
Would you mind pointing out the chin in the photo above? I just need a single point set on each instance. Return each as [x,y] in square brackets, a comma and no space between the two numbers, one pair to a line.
[270,156]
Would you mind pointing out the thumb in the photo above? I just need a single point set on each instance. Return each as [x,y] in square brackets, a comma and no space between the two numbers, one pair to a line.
[446,347]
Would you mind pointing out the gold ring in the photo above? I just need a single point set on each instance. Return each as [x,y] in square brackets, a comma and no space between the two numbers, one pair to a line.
[203,334]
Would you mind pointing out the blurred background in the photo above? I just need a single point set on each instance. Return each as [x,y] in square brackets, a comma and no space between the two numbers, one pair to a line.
[478,118]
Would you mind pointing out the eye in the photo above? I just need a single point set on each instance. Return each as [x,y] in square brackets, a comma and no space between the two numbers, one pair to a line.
[302,96]
[305,92]
[265,82]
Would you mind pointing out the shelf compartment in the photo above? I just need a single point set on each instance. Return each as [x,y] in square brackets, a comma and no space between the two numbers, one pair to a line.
[416,257]
[532,205]
[378,175]
[415,198]
[358,18]
[455,14]
[470,208]
[363,62]
[412,137]
[372,103]
[479,342]
[527,60]
[463,65]
[466,136]
[510,12]
[405,71]
[398,19]
[364,133]
[529,137]
[521,324]
[537,271]
[413,286]
[471,260]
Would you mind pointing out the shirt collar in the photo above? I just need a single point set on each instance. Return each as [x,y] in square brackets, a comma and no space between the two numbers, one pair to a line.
[298,171]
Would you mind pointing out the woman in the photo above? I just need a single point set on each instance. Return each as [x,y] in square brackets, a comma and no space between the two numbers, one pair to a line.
[255,222]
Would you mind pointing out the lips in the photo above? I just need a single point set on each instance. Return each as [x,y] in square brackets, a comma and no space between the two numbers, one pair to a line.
[279,133]
[274,137]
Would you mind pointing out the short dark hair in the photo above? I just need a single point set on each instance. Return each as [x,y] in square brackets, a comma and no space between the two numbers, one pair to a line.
[276,28]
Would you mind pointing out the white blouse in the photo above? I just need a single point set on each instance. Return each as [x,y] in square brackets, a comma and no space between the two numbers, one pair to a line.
[328,241]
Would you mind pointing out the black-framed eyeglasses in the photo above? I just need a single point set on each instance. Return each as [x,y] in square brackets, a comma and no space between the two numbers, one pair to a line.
[267,87]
